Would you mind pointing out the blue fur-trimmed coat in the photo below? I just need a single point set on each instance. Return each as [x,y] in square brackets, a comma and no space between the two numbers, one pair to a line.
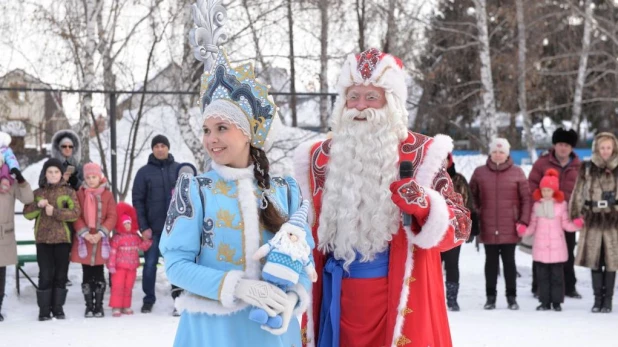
[211,232]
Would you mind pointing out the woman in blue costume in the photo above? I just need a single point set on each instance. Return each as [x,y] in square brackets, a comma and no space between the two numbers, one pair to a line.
[219,219]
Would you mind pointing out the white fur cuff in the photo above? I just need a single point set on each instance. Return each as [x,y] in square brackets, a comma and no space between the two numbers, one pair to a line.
[303,299]
[228,287]
[437,223]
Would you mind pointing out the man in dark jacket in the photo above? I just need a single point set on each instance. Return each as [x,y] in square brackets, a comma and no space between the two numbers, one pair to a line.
[152,194]
[562,158]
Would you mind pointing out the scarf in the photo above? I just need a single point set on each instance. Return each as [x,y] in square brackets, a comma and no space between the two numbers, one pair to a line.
[545,209]
[90,205]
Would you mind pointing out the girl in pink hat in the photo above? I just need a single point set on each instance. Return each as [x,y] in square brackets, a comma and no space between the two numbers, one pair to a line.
[548,220]
[92,233]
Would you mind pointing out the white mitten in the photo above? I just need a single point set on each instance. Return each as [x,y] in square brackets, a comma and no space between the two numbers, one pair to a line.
[286,315]
[261,295]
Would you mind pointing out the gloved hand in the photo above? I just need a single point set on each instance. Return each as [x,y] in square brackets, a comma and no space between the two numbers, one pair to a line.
[286,315]
[579,222]
[18,176]
[521,229]
[470,238]
[261,295]
[410,197]
[147,234]
[111,269]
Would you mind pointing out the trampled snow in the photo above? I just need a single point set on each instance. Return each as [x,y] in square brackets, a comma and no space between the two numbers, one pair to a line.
[472,326]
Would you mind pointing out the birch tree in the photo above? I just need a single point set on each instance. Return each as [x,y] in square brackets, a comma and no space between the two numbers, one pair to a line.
[521,79]
[323,6]
[581,71]
[489,127]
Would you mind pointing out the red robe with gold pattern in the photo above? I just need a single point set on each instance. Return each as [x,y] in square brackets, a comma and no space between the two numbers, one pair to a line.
[416,313]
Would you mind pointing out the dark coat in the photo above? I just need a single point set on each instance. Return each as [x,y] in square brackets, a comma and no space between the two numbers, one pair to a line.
[568,174]
[152,192]
[502,198]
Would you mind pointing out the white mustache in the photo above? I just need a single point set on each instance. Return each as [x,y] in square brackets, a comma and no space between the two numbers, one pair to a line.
[370,114]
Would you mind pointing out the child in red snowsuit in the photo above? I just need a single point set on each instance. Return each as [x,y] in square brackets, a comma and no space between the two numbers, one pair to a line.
[124,258]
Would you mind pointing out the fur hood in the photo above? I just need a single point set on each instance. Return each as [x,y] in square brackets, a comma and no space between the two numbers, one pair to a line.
[612,163]
[126,209]
[55,146]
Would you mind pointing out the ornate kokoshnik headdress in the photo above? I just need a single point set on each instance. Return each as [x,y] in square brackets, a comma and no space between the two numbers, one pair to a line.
[226,90]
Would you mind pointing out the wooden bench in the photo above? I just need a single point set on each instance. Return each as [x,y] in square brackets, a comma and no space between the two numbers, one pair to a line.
[22,259]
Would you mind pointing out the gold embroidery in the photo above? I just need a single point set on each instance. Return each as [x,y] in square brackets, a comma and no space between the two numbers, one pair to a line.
[225,253]
[410,280]
[303,336]
[225,219]
[221,286]
[405,311]
[402,341]
[224,188]
[412,249]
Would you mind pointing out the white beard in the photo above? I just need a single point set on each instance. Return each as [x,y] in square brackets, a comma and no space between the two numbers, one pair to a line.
[357,213]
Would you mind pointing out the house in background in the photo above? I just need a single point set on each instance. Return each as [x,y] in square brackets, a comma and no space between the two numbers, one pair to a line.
[40,112]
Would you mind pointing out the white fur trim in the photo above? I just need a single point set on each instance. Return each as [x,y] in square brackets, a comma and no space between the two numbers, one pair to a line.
[230,281]
[405,290]
[304,299]
[310,327]
[437,223]
[251,231]
[434,159]
[233,174]
[302,167]
[192,303]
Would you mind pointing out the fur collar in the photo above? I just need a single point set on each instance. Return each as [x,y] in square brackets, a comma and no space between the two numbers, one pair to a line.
[233,174]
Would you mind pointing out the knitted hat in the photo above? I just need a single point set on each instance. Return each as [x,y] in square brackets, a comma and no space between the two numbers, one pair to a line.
[564,136]
[53,162]
[299,218]
[66,141]
[160,139]
[92,169]
[500,144]
[550,180]
[126,219]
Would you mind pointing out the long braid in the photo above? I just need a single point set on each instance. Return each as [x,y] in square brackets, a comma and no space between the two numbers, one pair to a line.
[269,217]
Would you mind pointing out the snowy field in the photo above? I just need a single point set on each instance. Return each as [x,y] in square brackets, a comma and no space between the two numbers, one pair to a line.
[473,326]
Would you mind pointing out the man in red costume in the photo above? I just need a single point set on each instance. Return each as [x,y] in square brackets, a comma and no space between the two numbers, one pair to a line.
[380,278]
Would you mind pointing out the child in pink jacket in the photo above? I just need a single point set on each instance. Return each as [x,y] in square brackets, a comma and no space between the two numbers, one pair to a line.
[548,220]
[124,258]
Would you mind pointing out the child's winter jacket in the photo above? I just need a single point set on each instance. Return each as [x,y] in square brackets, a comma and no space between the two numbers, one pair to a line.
[125,246]
[549,243]
[105,221]
[53,229]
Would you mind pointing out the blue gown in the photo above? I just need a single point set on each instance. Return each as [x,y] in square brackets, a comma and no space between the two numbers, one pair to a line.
[211,232]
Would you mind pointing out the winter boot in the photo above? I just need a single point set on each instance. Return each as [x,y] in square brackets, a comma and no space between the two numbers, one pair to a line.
[543,307]
[98,299]
[597,288]
[491,303]
[44,299]
[452,289]
[59,298]
[88,298]
[1,298]
[512,302]
[610,282]
[557,306]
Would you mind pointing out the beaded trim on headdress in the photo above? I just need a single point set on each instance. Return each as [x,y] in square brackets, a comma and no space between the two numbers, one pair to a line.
[238,85]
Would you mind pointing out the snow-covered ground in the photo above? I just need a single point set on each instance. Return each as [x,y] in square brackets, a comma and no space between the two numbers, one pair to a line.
[473,326]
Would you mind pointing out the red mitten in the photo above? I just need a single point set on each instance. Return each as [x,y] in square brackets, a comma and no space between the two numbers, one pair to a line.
[410,197]
[579,222]
[521,229]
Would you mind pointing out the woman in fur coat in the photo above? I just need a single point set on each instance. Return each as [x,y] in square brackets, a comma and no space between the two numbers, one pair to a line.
[594,198]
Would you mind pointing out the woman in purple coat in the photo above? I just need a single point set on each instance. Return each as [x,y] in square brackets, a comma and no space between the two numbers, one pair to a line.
[502,199]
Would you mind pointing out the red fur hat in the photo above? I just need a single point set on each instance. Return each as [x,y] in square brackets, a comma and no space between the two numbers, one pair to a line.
[125,210]
[550,180]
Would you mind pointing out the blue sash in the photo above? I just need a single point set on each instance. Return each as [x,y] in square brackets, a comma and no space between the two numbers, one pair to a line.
[333,274]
